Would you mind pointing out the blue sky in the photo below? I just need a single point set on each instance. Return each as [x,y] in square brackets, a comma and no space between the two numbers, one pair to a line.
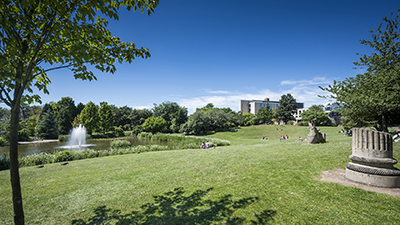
[221,51]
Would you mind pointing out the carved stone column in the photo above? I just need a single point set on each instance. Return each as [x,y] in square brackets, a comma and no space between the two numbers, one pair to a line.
[372,159]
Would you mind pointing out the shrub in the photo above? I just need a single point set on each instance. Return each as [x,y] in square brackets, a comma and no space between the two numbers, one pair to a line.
[65,155]
[302,123]
[63,137]
[2,141]
[4,162]
[120,144]
[137,130]
[36,159]
[145,135]
[119,131]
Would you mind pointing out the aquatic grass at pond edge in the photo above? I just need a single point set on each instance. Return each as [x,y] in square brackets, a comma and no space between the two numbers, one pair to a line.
[118,147]
[67,155]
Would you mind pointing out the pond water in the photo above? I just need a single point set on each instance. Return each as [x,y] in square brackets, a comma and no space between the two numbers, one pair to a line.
[35,148]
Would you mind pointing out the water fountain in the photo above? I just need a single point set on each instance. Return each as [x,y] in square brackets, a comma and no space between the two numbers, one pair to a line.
[77,139]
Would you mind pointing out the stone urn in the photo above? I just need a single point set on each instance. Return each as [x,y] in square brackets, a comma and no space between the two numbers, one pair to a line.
[372,159]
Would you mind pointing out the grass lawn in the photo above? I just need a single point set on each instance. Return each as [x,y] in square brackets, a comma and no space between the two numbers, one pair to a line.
[250,182]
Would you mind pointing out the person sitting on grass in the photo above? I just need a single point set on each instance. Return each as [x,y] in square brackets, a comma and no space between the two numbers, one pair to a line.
[203,145]
[207,144]
[300,139]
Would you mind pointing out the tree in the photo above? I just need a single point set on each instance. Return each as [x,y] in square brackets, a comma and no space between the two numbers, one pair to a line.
[154,124]
[65,112]
[122,117]
[79,108]
[248,119]
[169,111]
[264,115]
[198,123]
[286,108]
[106,118]
[37,37]
[316,116]
[77,121]
[138,116]
[373,97]
[47,126]
[90,117]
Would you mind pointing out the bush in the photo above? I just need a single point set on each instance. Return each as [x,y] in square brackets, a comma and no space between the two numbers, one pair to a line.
[63,137]
[65,155]
[145,135]
[36,159]
[4,162]
[119,131]
[302,123]
[137,130]
[189,142]
[2,141]
[120,144]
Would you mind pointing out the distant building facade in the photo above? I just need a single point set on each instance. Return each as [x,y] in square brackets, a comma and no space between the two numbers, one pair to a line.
[252,106]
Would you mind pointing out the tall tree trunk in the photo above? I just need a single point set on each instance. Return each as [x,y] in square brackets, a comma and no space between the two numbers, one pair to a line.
[14,167]
[384,123]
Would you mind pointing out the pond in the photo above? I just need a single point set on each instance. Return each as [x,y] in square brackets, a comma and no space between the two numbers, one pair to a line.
[99,144]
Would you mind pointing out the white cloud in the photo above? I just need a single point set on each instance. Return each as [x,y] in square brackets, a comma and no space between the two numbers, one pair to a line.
[314,81]
[142,107]
[305,91]
[217,92]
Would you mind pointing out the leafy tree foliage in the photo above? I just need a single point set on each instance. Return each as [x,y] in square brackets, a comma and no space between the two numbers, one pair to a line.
[77,121]
[154,124]
[286,108]
[138,116]
[209,119]
[122,117]
[372,98]
[170,111]
[47,126]
[316,116]
[65,111]
[79,108]
[264,115]
[248,119]
[4,115]
[106,118]
[40,36]
[90,117]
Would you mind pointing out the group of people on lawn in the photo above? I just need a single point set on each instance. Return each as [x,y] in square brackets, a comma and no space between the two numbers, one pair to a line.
[205,145]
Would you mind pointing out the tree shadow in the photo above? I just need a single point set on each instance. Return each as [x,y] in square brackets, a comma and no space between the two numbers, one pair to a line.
[178,207]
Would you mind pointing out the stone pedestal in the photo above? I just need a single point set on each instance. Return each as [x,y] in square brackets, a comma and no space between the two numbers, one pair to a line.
[372,159]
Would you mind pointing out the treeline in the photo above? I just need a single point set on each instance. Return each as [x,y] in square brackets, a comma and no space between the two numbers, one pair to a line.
[105,120]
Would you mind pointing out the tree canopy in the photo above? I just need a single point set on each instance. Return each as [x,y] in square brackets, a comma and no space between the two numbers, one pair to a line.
[316,116]
[372,98]
[286,108]
[90,117]
[264,115]
[106,119]
[154,124]
[171,111]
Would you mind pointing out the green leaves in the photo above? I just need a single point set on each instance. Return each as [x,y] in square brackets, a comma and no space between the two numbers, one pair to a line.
[374,95]
[37,37]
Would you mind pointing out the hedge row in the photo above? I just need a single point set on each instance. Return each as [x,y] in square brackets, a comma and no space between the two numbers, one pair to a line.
[67,155]
[184,142]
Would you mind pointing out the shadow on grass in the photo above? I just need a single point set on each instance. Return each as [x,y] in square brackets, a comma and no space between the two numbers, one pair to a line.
[177,207]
